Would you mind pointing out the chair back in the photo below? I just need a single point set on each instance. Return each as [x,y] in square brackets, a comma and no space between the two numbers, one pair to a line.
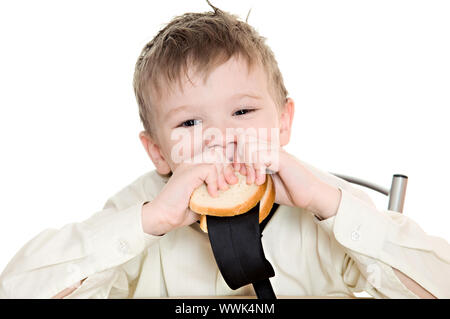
[396,193]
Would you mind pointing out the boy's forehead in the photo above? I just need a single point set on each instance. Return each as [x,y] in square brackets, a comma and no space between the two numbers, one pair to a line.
[232,79]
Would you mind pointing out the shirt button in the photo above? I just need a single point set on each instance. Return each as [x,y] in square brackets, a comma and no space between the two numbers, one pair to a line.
[122,246]
[355,235]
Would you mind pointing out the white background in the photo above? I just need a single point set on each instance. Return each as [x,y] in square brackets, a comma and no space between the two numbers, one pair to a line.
[370,80]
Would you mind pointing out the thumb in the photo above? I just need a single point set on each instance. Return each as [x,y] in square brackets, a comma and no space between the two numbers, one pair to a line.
[190,217]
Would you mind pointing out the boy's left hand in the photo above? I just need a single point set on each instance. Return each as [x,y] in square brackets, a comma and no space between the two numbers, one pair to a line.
[295,185]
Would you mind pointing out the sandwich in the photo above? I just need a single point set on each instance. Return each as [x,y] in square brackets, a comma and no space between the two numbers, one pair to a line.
[238,199]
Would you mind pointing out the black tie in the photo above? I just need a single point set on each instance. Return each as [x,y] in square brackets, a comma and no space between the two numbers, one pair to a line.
[237,248]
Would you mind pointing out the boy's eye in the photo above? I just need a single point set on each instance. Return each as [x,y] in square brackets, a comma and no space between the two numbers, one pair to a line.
[189,123]
[243,111]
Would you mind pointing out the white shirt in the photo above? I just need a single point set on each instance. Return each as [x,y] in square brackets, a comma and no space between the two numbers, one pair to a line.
[352,251]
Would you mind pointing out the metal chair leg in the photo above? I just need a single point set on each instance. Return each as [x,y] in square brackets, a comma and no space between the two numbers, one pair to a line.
[397,193]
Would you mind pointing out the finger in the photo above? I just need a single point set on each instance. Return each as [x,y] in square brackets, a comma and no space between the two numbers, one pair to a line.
[260,174]
[230,175]
[190,217]
[221,182]
[243,170]
[211,181]
[271,166]
[250,173]
[236,164]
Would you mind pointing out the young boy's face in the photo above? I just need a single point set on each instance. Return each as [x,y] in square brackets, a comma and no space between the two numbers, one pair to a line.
[231,98]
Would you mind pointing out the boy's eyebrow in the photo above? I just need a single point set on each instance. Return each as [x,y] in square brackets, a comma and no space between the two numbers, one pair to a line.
[232,98]
[176,110]
[250,95]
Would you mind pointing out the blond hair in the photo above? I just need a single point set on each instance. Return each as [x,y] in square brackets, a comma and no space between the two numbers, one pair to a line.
[205,41]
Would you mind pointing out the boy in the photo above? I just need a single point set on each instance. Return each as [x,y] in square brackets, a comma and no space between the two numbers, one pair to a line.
[326,238]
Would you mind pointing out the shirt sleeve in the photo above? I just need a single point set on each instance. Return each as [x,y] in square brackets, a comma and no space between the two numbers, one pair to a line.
[94,249]
[376,241]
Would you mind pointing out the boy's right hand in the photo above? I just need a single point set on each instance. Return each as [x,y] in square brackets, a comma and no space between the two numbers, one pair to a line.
[170,209]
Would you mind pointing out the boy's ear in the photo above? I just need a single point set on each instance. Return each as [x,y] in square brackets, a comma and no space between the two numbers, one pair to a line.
[287,115]
[154,152]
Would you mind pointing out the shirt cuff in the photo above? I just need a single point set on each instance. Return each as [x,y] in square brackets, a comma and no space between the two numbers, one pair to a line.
[391,240]
[358,225]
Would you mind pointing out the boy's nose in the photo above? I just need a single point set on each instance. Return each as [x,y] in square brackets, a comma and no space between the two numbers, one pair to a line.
[226,147]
